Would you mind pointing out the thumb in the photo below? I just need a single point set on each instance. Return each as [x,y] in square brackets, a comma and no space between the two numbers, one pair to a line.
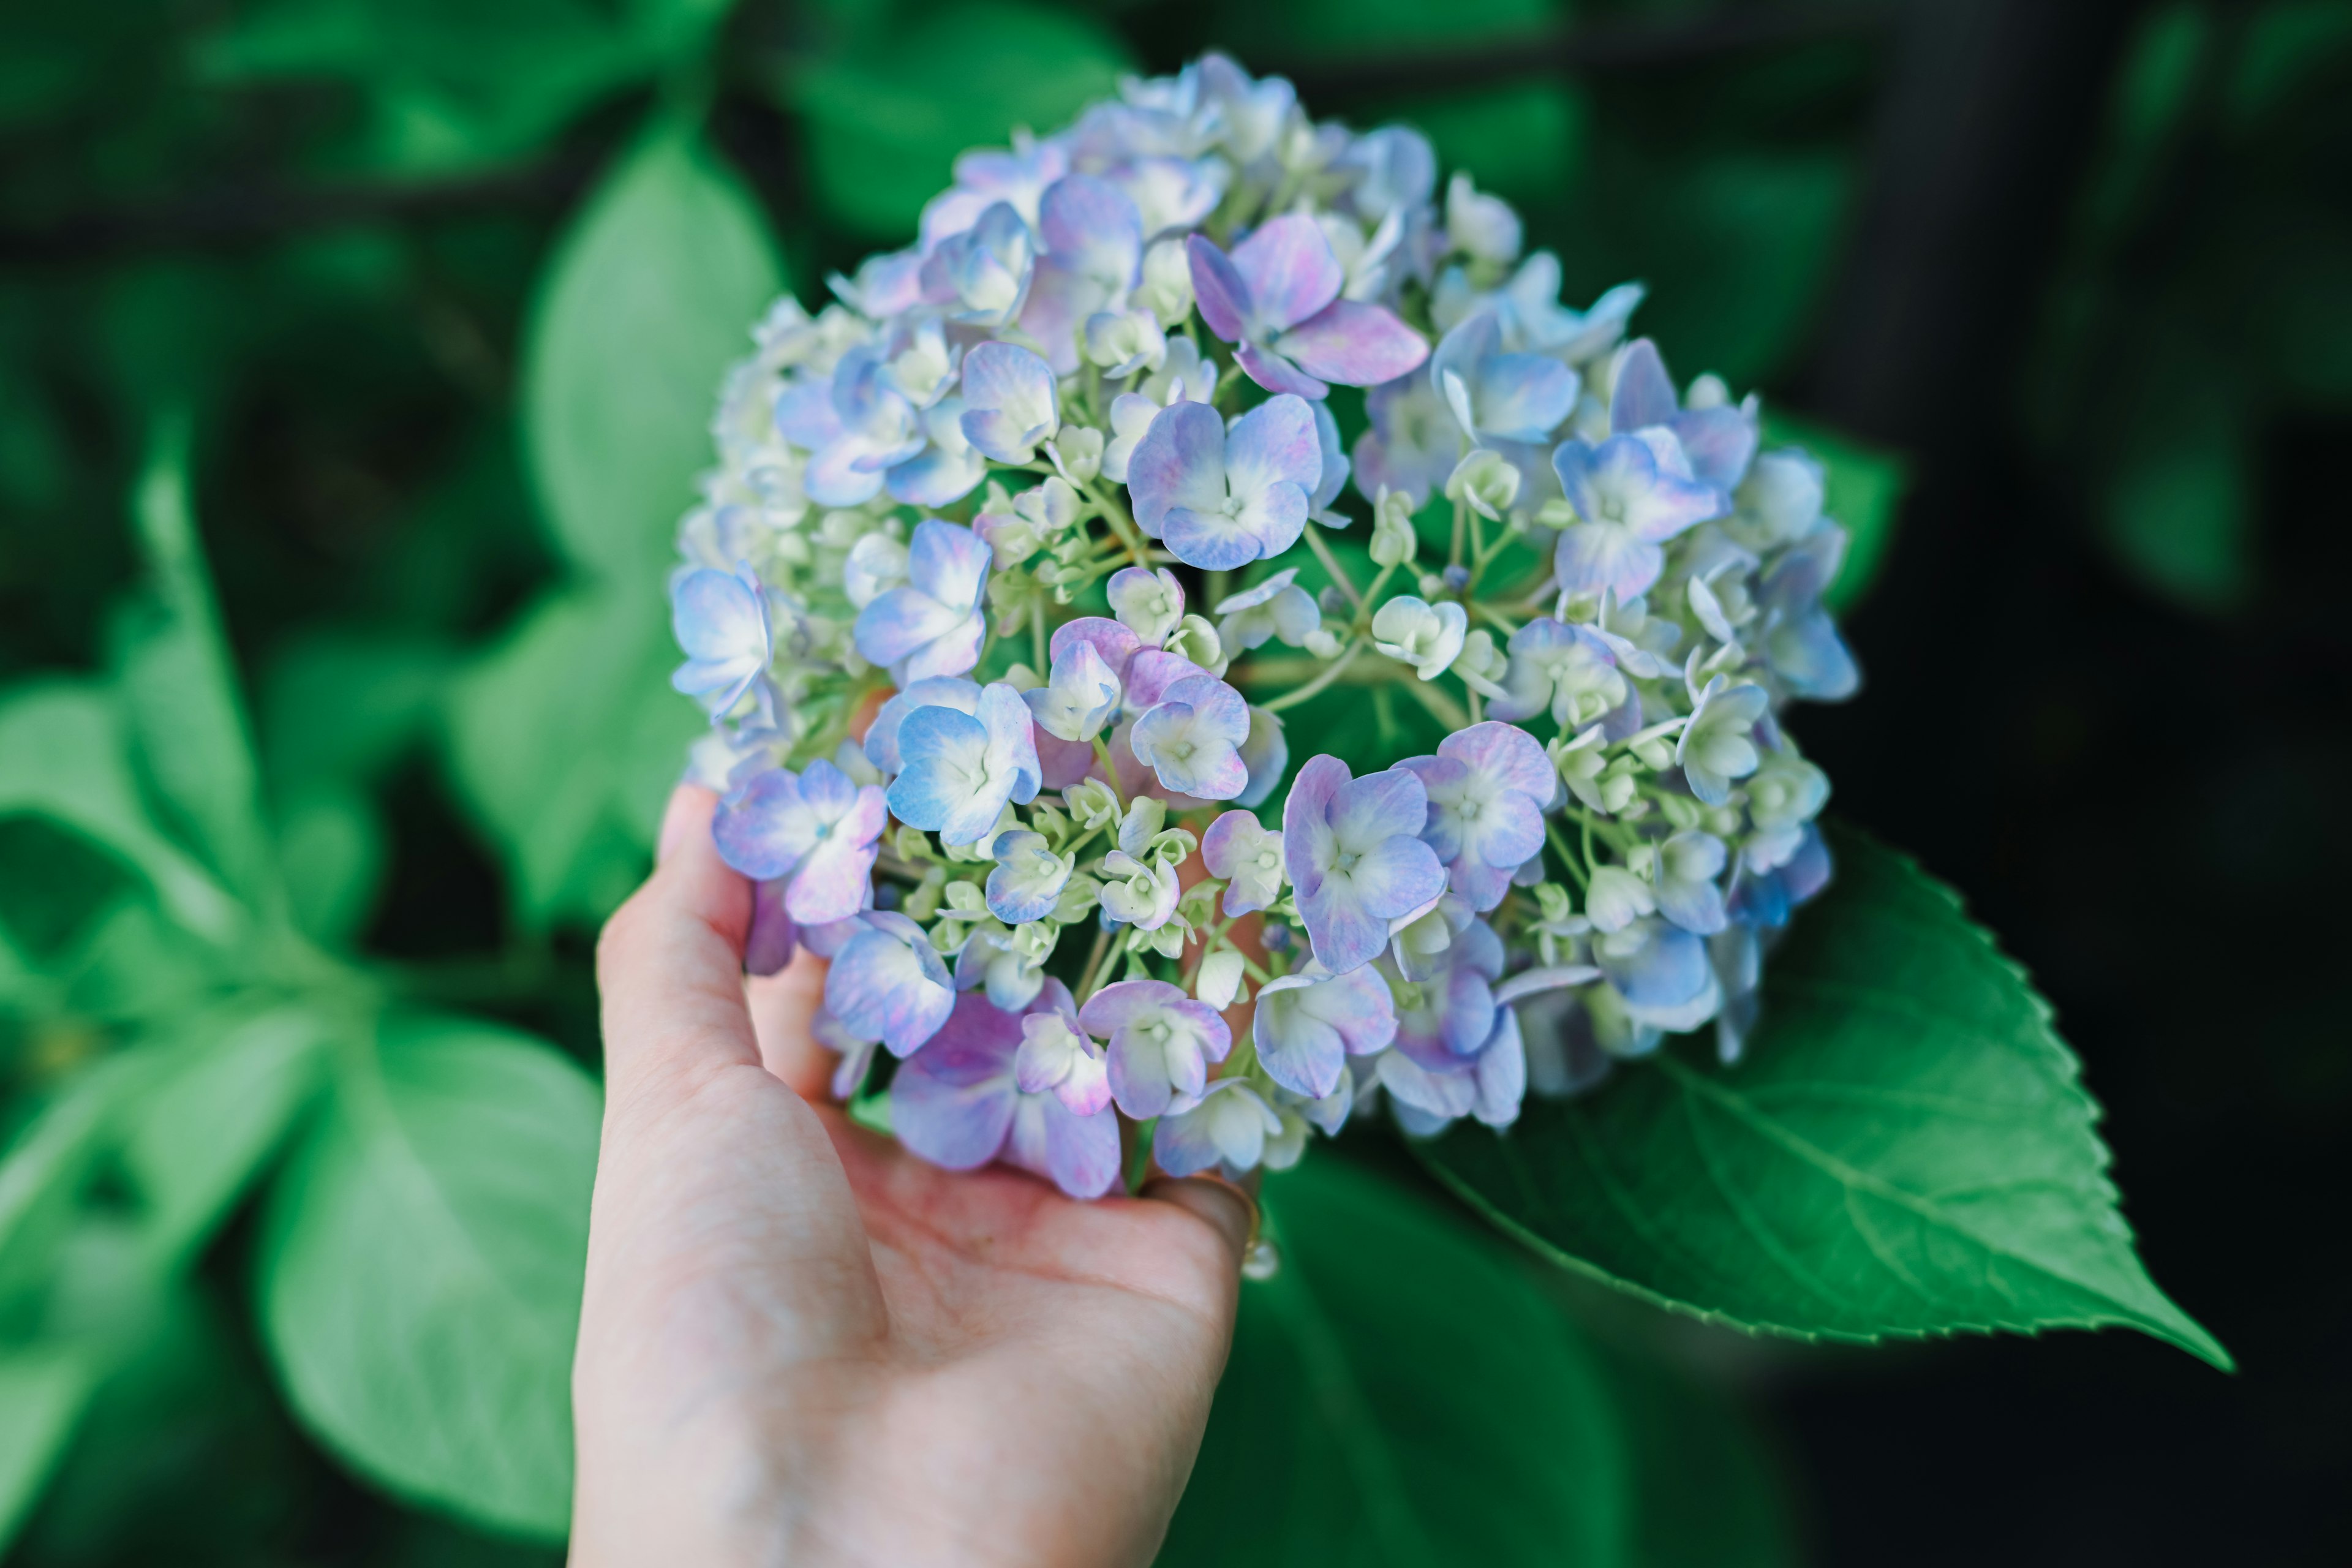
[669,965]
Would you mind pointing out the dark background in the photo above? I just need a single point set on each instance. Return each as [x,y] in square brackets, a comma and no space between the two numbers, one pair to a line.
[2086,268]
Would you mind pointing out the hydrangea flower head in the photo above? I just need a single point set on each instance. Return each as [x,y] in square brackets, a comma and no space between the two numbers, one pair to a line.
[1027,558]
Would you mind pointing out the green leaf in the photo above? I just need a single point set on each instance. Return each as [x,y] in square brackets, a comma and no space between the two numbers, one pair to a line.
[341,705]
[1707,1493]
[43,1171]
[1736,247]
[566,740]
[201,1127]
[2289,46]
[1864,488]
[1523,141]
[421,1270]
[1906,1150]
[886,122]
[181,685]
[452,85]
[338,709]
[649,298]
[65,754]
[2177,509]
[43,1391]
[1401,1393]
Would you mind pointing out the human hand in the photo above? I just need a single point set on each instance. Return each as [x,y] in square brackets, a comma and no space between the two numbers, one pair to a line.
[799,1344]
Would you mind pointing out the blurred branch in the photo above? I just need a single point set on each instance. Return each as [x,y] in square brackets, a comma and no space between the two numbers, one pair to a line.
[1617,45]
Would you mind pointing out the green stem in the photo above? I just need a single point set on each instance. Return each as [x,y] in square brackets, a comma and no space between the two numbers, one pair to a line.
[1567,853]
[1331,564]
[1438,705]
[1091,978]
[1293,698]
[1110,774]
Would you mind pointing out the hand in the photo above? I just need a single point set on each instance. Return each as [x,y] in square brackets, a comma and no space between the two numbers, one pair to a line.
[799,1344]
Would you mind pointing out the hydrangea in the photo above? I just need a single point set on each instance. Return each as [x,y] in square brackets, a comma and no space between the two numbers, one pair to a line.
[976,1091]
[1026,565]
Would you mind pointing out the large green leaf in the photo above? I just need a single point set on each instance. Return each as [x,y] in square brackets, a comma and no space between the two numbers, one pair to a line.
[566,735]
[565,740]
[1401,1393]
[65,754]
[887,121]
[208,1119]
[1906,1150]
[181,685]
[649,297]
[1707,1494]
[43,1390]
[421,1270]
[189,1124]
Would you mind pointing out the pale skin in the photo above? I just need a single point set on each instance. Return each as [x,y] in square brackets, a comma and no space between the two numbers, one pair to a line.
[801,1346]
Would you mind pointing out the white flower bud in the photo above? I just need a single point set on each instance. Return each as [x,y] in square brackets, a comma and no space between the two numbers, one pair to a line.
[1481,665]
[1196,639]
[1393,537]
[1219,984]
[1426,636]
[1485,481]
[1077,452]
[1167,288]
[1483,227]
[1091,803]
[1052,506]
[1126,341]
[1617,899]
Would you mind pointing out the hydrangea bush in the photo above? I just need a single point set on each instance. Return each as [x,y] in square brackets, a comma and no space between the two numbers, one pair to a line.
[995,601]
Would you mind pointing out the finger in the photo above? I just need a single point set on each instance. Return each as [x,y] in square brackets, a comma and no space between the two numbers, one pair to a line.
[783,1013]
[1222,1207]
[670,964]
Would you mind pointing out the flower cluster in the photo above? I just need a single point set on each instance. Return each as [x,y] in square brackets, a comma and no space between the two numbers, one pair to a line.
[995,603]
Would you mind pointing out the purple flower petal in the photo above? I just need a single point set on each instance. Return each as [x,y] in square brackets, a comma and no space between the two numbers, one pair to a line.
[774,934]
[1643,394]
[1222,296]
[952,1101]
[1275,374]
[1353,344]
[1288,268]
[886,983]
[1180,461]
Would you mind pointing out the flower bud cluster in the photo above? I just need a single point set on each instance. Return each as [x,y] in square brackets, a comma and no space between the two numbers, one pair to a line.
[994,601]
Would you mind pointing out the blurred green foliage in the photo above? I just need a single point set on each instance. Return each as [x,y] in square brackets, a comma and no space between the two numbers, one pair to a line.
[355,358]
[2207,297]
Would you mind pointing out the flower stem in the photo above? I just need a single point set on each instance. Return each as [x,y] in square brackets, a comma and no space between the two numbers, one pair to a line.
[1331,564]
[1088,980]
[1293,698]
[1567,861]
